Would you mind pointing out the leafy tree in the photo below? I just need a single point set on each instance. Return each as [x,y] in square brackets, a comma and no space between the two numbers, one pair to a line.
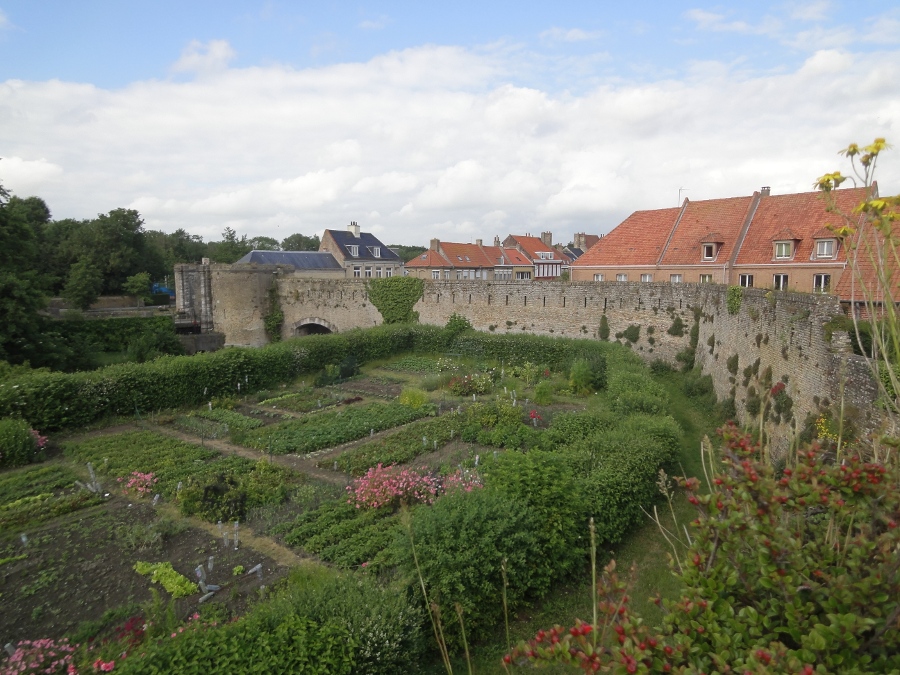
[21,288]
[407,253]
[300,242]
[138,285]
[230,249]
[264,244]
[83,285]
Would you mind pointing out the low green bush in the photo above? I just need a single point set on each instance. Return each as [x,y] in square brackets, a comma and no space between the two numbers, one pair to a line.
[637,392]
[386,621]
[290,644]
[461,542]
[18,444]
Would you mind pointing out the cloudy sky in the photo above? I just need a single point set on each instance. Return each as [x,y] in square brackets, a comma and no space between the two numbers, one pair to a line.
[459,120]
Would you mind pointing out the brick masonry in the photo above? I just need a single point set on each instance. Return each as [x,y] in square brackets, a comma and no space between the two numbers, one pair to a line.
[783,331]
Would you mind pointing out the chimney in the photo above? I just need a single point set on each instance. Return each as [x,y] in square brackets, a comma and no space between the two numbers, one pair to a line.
[547,238]
[765,191]
[435,245]
[578,240]
[497,240]
[478,243]
[353,228]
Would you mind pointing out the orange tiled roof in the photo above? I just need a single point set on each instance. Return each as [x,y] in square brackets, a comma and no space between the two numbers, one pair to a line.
[465,255]
[514,257]
[638,240]
[801,217]
[531,246]
[707,221]
[429,259]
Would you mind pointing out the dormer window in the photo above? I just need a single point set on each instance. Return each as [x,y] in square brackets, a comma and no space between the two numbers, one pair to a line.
[545,255]
[709,251]
[784,250]
[354,250]
[825,248]
[376,251]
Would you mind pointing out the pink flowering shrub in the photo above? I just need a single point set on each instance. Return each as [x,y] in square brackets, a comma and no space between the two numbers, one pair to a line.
[39,441]
[141,483]
[465,480]
[40,656]
[390,486]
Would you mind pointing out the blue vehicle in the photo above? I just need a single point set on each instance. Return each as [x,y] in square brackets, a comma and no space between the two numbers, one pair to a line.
[160,289]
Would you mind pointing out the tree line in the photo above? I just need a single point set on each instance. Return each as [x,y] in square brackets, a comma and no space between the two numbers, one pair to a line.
[80,260]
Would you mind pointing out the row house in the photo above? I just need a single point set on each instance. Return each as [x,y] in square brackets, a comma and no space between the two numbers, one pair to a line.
[449,260]
[548,263]
[361,254]
[764,240]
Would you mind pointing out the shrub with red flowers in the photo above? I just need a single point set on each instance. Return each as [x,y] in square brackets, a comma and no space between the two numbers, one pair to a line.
[391,486]
[462,479]
[40,656]
[140,483]
[785,572]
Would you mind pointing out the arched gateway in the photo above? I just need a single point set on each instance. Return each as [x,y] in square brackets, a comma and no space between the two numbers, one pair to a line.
[313,325]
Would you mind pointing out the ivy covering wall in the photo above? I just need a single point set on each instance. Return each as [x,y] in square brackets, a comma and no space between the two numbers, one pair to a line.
[395,297]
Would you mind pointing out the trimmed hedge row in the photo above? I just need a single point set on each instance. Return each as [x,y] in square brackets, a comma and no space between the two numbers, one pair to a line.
[51,401]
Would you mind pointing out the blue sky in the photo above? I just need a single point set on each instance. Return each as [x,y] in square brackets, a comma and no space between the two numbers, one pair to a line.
[458,120]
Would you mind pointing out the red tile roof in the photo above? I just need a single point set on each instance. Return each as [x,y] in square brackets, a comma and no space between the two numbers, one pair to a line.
[800,217]
[429,259]
[465,255]
[863,280]
[514,257]
[708,221]
[639,240]
[531,246]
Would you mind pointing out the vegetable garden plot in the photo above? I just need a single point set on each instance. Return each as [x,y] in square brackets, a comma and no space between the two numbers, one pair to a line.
[38,493]
[305,400]
[328,429]
[203,482]
[400,447]
[341,534]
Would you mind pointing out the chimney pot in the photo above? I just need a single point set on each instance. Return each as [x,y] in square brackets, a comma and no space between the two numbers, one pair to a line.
[765,191]
[547,238]
[478,242]
[497,240]
[353,228]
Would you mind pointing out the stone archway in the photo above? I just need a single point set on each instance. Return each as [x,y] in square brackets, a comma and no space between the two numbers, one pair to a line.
[313,325]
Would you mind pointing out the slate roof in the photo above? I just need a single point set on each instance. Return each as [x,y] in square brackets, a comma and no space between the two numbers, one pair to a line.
[800,217]
[301,260]
[638,240]
[365,241]
[708,221]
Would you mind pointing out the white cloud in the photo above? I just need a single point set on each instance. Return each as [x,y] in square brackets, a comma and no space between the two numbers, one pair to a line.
[713,21]
[435,142]
[23,176]
[816,10]
[374,24]
[202,58]
[557,34]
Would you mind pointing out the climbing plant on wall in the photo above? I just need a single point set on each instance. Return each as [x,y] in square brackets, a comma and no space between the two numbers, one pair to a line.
[274,319]
[735,295]
[395,298]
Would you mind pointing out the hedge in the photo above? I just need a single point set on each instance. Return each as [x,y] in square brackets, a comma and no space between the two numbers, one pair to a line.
[51,400]
[111,335]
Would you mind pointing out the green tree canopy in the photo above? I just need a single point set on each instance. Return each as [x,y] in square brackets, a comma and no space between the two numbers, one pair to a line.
[300,242]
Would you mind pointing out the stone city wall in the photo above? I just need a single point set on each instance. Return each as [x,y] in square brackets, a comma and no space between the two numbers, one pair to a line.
[772,336]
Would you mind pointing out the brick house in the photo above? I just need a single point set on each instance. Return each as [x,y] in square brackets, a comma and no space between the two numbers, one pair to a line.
[547,261]
[764,240]
[449,260]
[361,254]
